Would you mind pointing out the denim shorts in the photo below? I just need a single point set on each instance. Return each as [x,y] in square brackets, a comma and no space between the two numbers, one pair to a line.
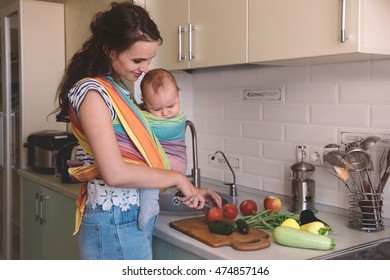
[114,235]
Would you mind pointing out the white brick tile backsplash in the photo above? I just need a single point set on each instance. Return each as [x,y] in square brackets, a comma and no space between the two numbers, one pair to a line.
[342,115]
[320,102]
[276,186]
[242,111]
[209,110]
[365,93]
[224,128]
[278,113]
[226,95]
[317,93]
[380,70]
[267,131]
[310,134]
[275,75]
[211,172]
[243,147]
[267,168]
[210,142]
[380,116]
[353,71]
[252,181]
[279,151]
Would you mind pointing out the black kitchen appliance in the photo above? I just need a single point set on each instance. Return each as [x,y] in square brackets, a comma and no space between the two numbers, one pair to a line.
[43,147]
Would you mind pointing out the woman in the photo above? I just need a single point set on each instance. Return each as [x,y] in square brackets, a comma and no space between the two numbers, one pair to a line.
[123,156]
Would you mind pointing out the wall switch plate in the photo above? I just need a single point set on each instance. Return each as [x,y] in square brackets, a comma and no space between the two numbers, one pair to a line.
[302,153]
[316,156]
[220,161]
[349,137]
[264,94]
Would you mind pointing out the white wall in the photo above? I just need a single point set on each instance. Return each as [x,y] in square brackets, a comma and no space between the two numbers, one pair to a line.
[320,102]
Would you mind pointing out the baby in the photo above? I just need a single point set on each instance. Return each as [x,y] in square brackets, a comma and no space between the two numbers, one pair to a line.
[161,105]
[160,96]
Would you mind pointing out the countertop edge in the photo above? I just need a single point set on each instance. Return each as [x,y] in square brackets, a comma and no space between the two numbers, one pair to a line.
[52,182]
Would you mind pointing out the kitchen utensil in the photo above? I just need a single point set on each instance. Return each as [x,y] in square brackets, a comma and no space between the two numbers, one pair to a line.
[197,228]
[369,142]
[361,160]
[385,176]
[336,158]
[354,144]
[382,163]
[342,174]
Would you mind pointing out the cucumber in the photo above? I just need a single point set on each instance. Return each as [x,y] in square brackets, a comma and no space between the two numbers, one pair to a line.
[302,239]
[220,227]
[242,226]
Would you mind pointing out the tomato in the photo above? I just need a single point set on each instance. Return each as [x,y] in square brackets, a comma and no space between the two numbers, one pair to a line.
[214,214]
[230,210]
[248,207]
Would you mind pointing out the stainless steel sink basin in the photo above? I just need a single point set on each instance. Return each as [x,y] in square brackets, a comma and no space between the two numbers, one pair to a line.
[366,251]
[170,205]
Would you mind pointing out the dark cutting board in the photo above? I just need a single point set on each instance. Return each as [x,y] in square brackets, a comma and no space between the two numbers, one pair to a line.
[198,228]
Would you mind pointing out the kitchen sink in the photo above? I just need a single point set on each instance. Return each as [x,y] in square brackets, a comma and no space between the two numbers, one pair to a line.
[170,205]
[375,250]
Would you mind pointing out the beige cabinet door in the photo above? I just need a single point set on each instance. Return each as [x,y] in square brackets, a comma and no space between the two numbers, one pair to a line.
[219,37]
[218,34]
[280,29]
[170,15]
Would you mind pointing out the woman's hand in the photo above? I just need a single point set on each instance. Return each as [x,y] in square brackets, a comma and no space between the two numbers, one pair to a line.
[189,195]
[207,195]
[211,197]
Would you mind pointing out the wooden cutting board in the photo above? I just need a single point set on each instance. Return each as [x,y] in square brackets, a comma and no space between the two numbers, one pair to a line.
[198,228]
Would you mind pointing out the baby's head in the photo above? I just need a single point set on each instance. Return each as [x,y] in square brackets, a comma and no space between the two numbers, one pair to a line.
[160,93]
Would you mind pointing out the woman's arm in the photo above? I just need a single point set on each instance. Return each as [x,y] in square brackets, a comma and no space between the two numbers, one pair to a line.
[97,126]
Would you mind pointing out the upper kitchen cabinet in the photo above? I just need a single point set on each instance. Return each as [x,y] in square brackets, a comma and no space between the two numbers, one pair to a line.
[311,30]
[199,33]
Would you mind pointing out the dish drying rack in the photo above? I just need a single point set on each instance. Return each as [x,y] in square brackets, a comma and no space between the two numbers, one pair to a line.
[353,166]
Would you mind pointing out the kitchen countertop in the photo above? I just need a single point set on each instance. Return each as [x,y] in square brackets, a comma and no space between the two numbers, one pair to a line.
[345,236]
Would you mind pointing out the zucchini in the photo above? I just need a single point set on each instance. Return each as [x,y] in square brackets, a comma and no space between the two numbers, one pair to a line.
[242,226]
[224,228]
[302,239]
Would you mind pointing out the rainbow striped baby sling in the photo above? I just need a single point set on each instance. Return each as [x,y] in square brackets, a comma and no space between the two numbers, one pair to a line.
[148,150]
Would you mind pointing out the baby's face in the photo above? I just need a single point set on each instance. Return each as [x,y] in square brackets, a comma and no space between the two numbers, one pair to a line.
[163,103]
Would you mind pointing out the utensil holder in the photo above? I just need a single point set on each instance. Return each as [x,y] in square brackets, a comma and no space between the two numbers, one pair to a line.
[366,211]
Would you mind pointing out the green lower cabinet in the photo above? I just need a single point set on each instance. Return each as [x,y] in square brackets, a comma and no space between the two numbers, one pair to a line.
[163,250]
[48,224]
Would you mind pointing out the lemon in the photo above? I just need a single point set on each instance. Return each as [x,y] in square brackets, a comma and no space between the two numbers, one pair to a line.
[290,222]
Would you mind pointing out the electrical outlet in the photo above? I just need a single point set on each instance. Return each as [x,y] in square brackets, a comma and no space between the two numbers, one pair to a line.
[315,156]
[302,153]
[220,161]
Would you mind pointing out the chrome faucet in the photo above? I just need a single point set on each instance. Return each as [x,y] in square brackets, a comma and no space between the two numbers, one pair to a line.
[195,171]
[233,187]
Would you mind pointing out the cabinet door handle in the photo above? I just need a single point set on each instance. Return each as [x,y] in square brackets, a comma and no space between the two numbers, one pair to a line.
[344,35]
[190,53]
[37,207]
[42,207]
[1,144]
[180,39]
[13,140]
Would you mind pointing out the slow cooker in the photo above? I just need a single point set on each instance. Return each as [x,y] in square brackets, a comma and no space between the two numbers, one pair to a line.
[43,147]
